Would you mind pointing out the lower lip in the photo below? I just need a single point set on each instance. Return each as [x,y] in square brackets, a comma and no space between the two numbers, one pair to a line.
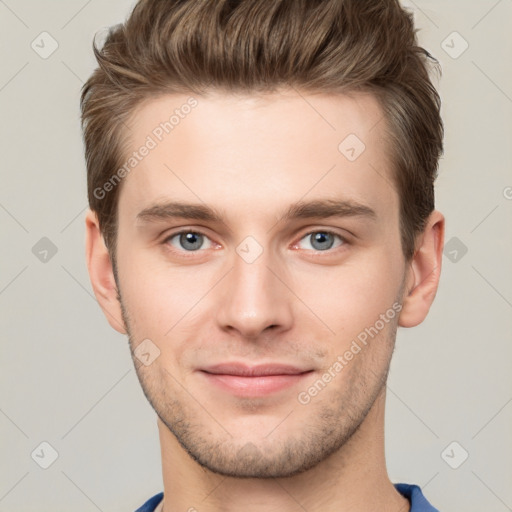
[254,386]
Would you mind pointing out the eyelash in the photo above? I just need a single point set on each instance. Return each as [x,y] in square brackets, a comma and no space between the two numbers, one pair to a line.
[190,254]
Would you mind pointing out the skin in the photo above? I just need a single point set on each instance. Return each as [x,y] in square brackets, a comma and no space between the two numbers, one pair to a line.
[250,158]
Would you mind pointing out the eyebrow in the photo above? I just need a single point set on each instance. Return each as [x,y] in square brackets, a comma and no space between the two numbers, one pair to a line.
[322,209]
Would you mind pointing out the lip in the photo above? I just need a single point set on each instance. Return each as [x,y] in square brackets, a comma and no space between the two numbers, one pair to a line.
[254,381]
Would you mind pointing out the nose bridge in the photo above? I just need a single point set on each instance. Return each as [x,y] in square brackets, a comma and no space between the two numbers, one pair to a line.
[253,297]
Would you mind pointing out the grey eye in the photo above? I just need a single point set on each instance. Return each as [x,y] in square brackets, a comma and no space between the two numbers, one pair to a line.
[322,240]
[189,241]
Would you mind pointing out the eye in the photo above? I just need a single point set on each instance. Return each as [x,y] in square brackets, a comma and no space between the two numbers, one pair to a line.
[190,241]
[322,240]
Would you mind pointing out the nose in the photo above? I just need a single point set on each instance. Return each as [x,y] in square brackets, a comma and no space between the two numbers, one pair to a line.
[254,298]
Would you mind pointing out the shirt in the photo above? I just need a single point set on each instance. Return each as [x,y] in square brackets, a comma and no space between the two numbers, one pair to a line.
[410,491]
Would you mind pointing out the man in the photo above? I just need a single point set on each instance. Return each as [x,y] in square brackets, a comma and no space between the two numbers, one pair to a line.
[262,220]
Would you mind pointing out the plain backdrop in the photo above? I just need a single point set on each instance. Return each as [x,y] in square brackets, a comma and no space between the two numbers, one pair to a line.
[67,379]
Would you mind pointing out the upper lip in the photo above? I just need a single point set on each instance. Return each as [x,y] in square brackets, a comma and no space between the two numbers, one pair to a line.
[259,370]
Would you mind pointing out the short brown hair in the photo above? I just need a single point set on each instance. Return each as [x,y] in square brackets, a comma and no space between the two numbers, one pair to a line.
[257,46]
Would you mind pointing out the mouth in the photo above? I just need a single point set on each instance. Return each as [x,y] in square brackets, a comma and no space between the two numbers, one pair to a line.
[254,381]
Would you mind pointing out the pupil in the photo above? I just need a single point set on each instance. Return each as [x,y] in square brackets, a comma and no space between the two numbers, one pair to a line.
[322,241]
[191,241]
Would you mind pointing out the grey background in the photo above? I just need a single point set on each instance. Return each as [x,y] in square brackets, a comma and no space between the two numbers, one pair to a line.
[66,378]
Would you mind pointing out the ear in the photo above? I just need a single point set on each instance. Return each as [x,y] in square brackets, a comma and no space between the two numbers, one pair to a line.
[101,273]
[423,272]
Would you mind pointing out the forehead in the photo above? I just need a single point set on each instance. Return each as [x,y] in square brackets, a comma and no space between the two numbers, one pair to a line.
[258,152]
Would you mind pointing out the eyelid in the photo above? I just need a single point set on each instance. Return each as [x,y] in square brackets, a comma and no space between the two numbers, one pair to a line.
[182,230]
[329,231]
[173,234]
[186,230]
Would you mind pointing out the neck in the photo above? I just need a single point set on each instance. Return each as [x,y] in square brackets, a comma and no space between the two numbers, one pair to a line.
[353,478]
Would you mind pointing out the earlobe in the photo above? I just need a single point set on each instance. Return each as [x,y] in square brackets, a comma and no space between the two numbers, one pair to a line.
[423,273]
[101,273]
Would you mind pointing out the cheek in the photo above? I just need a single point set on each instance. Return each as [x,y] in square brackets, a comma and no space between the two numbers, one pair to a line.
[164,300]
[160,298]
[160,307]
[350,298]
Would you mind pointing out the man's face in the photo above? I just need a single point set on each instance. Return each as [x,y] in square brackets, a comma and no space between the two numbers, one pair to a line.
[257,286]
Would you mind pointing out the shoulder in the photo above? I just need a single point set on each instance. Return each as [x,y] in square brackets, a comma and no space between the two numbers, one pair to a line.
[413,493]
[151,504]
